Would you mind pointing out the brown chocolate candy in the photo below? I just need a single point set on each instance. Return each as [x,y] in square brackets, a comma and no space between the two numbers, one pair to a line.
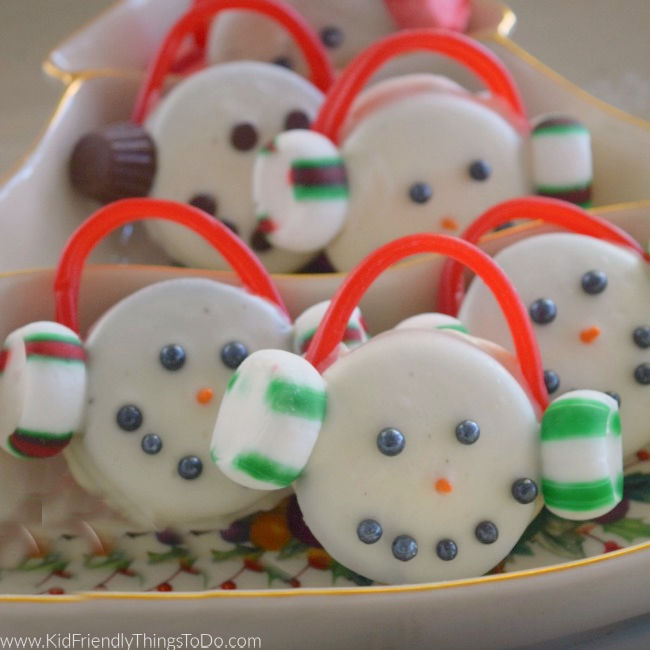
[115,162]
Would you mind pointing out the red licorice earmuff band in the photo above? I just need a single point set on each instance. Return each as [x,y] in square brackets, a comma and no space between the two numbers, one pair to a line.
[462,49]
[321,71]
[330,331]
[570,217]
[115,215]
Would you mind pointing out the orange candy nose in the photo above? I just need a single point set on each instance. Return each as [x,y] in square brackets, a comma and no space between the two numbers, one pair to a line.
[590,334]
[449,223]
[443,486]
[204,395]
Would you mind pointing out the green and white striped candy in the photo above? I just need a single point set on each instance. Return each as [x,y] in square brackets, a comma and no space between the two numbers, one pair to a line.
[42,389]
[269,420]
[432,321]
[300,191]
[582,455]
[562,161]
[306,324]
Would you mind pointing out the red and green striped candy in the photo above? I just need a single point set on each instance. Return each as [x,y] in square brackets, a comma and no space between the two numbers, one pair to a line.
[42,389]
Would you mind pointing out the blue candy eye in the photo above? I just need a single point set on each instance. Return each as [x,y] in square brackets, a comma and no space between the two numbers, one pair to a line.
[479,170]
[190,467]
[420,193]
[446,549]
[468,432]
[172,357]
[641,337]
[369,531]
[642,374]
[151,444]
[486,532]
[233,353]
[332,37]
[129,418]
[404,548]
[594,282]
[551,380]
[524,490]
[390,441]
[543,311]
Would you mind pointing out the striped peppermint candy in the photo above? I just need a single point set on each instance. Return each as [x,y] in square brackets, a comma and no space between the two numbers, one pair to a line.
[562,163]
[300,191]
[582,455]
[307,323]
[42,389]
[269,420]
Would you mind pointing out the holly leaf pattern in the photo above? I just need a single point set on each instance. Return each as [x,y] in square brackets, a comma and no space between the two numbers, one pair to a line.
[628,529]
[636,487]
[293,547]
[174,553]
[340,571]
[52,562]
[274,573]
[559,536]
[239,550]
[115,560]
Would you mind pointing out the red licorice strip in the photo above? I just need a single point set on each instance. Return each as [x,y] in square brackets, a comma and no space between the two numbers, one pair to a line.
[320,67]
[331,329]
[115,215]
[451,289]
[476,57]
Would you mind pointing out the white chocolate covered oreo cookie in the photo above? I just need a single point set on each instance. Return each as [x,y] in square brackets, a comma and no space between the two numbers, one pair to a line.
[159,363]
[588,303]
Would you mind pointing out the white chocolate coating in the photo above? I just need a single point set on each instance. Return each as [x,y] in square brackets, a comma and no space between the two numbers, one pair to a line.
[124,368]
[551,266]
[433,138]
[424,384]
[192,127]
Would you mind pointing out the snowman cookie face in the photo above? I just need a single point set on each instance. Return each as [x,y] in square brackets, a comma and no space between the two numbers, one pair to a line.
[206,134]
[410,480]
[158,364]
[426,162]
[588,302]
[345,28]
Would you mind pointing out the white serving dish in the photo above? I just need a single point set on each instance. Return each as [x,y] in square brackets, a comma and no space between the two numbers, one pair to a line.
[495,611]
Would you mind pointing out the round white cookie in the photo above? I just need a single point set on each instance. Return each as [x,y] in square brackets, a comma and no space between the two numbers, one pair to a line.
[429,161]
[588,301]
[158,363]
[207,132]
[425,442]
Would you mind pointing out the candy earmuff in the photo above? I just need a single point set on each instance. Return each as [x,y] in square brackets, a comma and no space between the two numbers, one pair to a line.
[196,143]
[345,28]
[42,389]
[587,293]
[416,456]
[412,154]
